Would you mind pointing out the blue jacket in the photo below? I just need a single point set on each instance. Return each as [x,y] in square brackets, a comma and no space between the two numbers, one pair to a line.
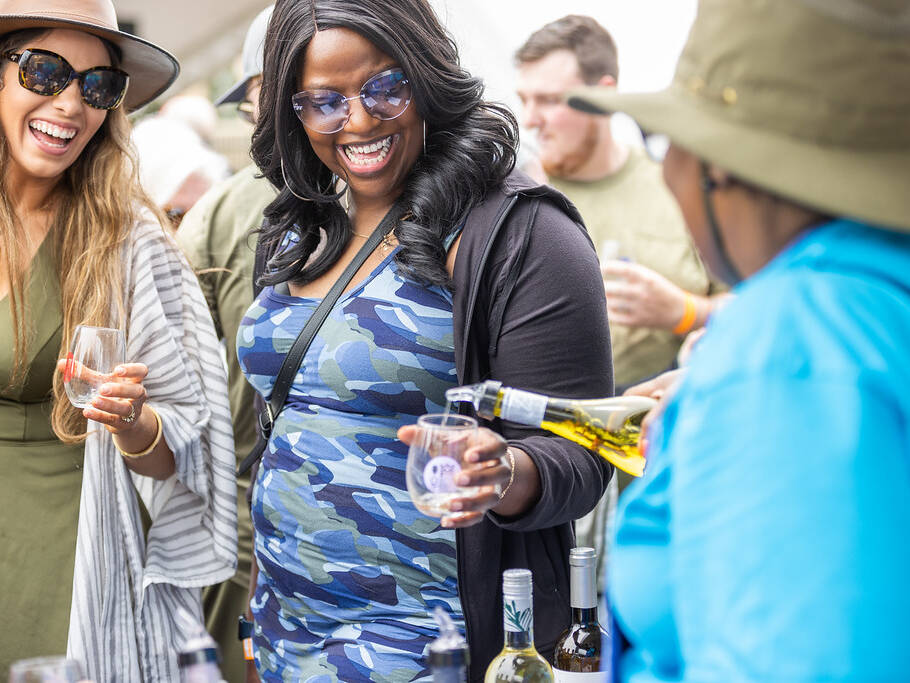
[770,537]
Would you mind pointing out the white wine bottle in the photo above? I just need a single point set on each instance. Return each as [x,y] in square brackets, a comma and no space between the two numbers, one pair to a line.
[608,426]
[582,652]
[518,660]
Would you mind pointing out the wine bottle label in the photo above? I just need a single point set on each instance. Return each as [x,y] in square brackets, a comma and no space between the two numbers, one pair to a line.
[573,677]
[523,407]
[517,615]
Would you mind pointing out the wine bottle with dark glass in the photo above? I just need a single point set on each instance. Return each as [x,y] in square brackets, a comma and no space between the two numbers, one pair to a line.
[582,652]
[609,426]
[519,659]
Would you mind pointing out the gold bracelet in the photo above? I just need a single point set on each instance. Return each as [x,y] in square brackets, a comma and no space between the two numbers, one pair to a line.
[154,442]
[511,455]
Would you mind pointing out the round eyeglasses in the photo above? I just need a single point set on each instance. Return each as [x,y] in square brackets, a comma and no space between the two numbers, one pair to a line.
[384,96]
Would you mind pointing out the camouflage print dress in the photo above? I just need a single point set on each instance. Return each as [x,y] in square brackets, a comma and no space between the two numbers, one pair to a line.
[349,569]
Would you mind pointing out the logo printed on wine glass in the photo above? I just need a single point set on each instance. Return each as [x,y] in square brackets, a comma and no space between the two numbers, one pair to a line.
[439,474]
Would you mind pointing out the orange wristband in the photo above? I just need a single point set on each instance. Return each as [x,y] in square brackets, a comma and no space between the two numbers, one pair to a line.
[245,635]
[689,315]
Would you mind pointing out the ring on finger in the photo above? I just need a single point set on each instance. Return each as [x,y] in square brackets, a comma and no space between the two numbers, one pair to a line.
[129,419]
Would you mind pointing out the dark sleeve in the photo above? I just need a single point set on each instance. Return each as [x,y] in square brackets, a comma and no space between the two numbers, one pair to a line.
[554,339]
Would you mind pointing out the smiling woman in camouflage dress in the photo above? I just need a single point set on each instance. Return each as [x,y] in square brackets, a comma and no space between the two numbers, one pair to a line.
[486,275]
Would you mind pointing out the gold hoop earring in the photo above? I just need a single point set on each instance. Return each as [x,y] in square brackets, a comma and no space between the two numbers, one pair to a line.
[424,138]
[288,185]
[346,198]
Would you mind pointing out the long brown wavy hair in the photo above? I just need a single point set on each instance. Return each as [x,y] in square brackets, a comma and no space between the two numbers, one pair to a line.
[96,203]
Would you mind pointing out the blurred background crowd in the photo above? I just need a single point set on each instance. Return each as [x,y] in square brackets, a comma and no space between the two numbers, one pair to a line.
[204,36]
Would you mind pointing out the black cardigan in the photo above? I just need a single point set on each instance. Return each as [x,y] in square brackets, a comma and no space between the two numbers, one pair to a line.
[529,310]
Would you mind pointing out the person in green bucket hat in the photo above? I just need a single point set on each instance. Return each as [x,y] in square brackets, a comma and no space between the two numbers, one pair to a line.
[767,540]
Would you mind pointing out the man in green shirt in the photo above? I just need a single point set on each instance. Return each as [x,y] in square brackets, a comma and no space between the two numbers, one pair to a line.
[657,287]
[215,235]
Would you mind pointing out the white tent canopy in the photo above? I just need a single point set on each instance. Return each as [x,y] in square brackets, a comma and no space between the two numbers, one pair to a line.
[206,35]
[649,35]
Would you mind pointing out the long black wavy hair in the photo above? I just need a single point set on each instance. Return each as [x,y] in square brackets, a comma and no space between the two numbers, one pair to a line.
[470,143]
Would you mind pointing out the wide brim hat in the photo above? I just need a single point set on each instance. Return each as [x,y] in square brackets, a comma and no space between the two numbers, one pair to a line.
[807,99]
[151,69]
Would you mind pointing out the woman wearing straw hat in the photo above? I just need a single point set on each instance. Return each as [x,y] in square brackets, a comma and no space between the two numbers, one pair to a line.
[768,538]
[81,244]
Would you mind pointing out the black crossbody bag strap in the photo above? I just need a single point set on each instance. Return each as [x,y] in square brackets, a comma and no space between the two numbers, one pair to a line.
[295,355]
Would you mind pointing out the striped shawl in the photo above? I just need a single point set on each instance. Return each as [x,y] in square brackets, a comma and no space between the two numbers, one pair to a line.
[126,591]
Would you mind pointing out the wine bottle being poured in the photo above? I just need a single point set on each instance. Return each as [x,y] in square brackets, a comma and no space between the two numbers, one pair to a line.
[608,426]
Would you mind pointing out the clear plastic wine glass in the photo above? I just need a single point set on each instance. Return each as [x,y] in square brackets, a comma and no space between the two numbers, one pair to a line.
[46,670]
[93,355]
[435,457]
[610,250]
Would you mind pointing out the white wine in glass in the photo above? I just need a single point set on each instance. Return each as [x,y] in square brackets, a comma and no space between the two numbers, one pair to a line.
[93,355]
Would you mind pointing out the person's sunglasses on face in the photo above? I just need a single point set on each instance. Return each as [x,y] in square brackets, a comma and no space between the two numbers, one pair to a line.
[46,73]
[385,96]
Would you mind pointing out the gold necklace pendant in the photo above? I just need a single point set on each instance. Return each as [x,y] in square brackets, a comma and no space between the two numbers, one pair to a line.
[385,246]
[387,243]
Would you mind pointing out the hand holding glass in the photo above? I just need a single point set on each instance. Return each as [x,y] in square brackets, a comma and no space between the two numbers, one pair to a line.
[93,356]
[435,458]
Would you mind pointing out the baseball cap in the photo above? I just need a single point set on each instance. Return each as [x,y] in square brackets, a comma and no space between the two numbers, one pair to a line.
[251,58]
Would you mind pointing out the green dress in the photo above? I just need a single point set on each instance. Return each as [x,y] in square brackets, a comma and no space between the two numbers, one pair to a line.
[40,484]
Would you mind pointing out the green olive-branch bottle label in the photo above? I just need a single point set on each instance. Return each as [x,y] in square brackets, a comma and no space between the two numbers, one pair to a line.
[517,614]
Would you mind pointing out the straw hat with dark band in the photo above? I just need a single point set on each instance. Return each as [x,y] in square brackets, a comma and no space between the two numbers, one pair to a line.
[808,99]
[150,68]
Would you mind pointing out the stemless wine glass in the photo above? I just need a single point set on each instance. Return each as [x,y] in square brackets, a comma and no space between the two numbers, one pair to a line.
[435,457]
[614,250]
[45,670]
[610,250]
[94,354]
